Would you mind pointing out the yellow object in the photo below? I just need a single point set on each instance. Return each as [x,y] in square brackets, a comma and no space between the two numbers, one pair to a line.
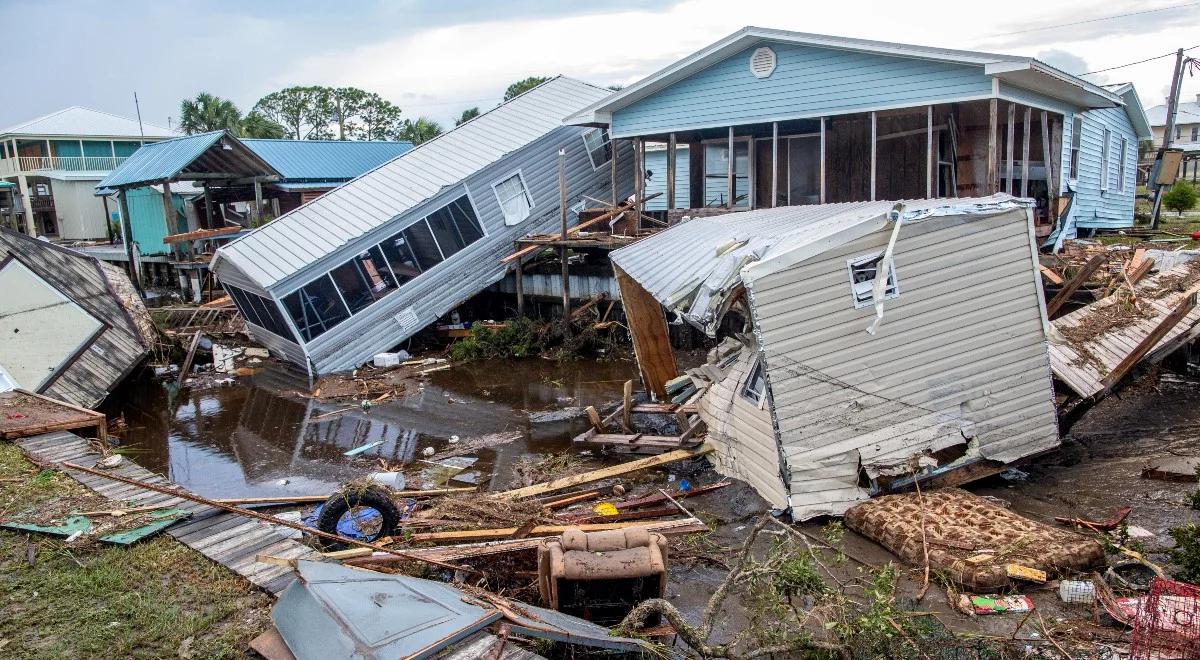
[1020,572]
[980,558]
[604,509]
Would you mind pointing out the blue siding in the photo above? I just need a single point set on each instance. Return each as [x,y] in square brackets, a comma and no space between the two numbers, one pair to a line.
[146,219]
[656,162]
[807,82]
[1093,207]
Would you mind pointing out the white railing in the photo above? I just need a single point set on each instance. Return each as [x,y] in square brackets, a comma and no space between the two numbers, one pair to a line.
[70,163]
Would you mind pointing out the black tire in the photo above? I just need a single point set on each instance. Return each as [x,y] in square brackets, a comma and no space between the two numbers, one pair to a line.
[339,503]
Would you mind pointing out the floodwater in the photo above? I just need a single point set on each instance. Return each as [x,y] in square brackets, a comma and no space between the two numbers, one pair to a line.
[258,436]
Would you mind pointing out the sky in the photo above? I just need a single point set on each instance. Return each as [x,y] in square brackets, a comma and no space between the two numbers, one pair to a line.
[435,59]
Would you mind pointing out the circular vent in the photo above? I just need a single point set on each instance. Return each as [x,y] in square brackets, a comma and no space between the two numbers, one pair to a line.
[762,62]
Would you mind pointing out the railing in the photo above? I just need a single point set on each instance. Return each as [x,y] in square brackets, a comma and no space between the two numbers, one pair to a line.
[70,163]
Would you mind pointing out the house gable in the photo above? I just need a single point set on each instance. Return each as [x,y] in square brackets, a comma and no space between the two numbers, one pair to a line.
[807,81]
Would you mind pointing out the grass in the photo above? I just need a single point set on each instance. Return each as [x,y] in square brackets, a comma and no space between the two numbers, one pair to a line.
[157,598]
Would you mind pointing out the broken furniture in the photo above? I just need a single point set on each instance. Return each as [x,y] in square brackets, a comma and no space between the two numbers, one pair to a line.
[23,414]
[969,539]
[617,430]
[335,611]
[601,576]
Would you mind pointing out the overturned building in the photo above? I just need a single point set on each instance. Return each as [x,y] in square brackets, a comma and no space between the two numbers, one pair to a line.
[878,343]
[367,265]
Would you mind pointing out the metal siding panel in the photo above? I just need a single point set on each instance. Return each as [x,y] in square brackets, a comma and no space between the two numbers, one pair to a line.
[1092,207]
[807,82]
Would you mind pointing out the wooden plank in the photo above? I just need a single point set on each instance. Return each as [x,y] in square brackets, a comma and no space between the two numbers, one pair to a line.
[594,417]
[1181,310]
[1073,285]
[993,152]
[1025,151]
[187,361]
[540,530]
[1049,274]
[627,206]
[607,472]
[651,339]
[201,233]
[314,499]
[627,407]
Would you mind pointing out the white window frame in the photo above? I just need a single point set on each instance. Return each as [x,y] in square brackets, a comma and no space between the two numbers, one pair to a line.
[1106,160]
[1124,156]
[757,398]
[519,176]
[1076,144]
[608,140]
[889,293]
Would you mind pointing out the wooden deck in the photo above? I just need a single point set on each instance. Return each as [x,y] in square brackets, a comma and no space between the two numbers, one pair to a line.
[228,539]
[1086,377]
[24,414]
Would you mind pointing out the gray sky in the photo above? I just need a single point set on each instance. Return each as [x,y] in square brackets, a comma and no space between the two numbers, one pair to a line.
[437,58]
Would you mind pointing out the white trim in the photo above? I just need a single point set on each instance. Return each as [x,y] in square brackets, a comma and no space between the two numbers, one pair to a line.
[1105,159]
[524,188]
[588,150]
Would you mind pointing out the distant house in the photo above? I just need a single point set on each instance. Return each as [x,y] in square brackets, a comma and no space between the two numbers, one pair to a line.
[57,159]
[876,342]
[1186,135]
[775,118]
[367,265]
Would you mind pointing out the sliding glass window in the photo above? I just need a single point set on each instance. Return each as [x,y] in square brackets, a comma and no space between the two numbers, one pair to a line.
[364,279]
[260,311]
[316,307]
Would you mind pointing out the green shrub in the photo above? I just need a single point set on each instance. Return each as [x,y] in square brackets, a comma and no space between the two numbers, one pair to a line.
[1186,553]
[1181,197]
[515,339]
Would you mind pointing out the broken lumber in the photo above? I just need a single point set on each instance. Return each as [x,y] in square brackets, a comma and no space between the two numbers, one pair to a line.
[310,499]
[1054,277]
[1126,365]
[627,206]
[187,361]
[540,530]
[607,472]
[1073,285]
[201,233]
[658,498]
[185,495]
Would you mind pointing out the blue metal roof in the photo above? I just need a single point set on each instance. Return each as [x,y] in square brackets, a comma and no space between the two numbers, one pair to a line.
[158,161]
[7,184]
[325,160]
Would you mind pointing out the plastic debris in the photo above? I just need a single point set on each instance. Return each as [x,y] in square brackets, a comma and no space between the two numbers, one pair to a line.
[994,604]
[1077,591]
[358,450]
[605,509]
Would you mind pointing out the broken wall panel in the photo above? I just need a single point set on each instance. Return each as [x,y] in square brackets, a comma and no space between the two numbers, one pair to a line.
[901,145]
[848,158]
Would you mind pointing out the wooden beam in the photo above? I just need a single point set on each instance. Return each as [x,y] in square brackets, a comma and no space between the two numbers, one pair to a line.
[822,159]
[313,499]
[1009,147]
[519,283]
[612,166]
[607,472]
[730,173]
[627,405]
[1049,274]
[1025,152]
[874,151]
[202,233]
[671,171]
[651,337]
[186,366]
[1139,269]
[993,154]
[929,157]
[774,164]
[1126,365]
[562,250]
[1073,285]
[507,532]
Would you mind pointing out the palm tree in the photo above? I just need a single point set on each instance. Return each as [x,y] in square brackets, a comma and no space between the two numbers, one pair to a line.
[209,113]
[421,130]
[258,125]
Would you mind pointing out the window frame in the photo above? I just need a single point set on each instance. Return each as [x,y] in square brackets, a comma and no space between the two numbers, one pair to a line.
[519,175]
[1106,160]
[607,142]
[1076,143]
[889,292]
[1195,137]
[753,396]
[1124,156]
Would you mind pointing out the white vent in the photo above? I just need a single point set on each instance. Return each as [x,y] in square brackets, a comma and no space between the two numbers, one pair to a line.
[762,62]
[407,318]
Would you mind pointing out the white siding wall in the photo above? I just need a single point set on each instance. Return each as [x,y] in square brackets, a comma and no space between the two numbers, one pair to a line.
[961,351]
[743,433]
[79,211]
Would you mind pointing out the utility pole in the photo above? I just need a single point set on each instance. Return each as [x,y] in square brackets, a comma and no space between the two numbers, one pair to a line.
[1168,134]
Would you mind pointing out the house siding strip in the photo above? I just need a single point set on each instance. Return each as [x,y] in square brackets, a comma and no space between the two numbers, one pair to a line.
[1092,207]
[961,351]
[807,82]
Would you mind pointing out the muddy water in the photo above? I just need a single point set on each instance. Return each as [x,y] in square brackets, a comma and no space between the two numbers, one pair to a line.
[258,436]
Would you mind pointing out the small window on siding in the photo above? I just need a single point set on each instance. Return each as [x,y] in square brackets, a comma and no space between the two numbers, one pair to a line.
[1122,156]
[1105,159]
[1076,136]
[862,279]
[599,146]
[755,387]
[1196,134]
[514,199]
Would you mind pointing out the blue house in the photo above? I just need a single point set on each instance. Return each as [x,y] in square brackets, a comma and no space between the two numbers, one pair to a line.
[813,119]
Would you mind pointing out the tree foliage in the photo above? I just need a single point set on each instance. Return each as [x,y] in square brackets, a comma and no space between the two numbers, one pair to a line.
[1181,197]
[258,125]
[305,112]
[341,113]
[378,119]
[207,113]
[522,86]
[421,130]
[467,115]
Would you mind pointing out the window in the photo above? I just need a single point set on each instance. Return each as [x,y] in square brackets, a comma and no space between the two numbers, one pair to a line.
[514,199]
[420,240]
[599,146]
[400,258]
[716,173]
[862,279]
[363,280]
[1105,159]
[756,384]
[1076,136]
[455,226]
[260,311]
[1122,156]
[1196,134]
[316,307]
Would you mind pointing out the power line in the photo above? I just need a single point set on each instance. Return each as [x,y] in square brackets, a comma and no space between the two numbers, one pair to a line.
[1148,59]
[1097,20]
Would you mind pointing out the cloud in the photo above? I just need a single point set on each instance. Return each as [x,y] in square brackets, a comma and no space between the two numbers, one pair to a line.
[1069,25]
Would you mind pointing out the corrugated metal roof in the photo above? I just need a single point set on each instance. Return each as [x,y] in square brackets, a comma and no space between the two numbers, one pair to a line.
[78,121]
[171,159]
[272,253]
[712,253]
[324,160]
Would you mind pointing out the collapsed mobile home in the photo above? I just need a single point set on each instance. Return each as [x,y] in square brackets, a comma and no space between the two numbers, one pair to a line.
[878,343]
[367,265]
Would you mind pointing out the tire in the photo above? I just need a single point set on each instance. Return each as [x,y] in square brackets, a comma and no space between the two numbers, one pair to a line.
[340,503]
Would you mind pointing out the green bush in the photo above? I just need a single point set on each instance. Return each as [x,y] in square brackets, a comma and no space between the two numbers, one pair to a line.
[1186,553]
[1181,197]
[516,339]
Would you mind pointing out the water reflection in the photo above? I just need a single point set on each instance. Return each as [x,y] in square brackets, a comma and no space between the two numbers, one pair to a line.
[260,437]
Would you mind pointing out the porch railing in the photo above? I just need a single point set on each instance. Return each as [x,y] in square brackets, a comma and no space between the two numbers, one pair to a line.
[69,163]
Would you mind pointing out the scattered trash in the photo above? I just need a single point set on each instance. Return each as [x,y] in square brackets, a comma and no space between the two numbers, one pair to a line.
[1080,592]
[110,462]
[1013,474]
[453,440]
[358,450]
[393,480]
[994,604]
[601,576]
[605,509]
[1136,532]
[1019,572]
[1168,623]
[1108,524]
[428,451]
